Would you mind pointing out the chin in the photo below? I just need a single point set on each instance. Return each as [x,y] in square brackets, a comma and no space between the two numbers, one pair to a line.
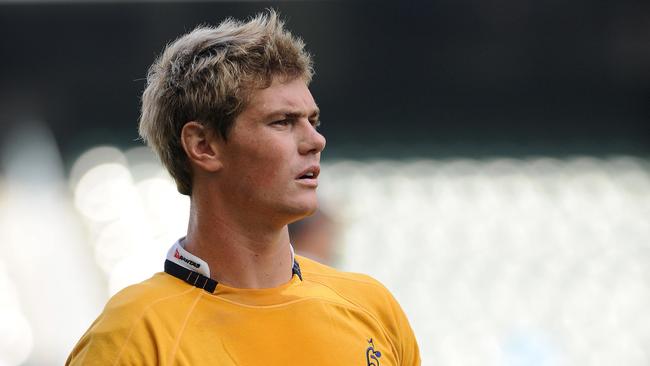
[311,211]
[303,209]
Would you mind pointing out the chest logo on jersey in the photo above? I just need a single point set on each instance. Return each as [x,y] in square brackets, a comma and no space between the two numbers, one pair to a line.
[372,356]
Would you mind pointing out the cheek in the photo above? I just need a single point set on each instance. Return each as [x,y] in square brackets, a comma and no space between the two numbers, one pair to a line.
[265,167]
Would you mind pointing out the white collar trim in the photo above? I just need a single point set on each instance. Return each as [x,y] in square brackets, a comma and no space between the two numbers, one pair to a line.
[183,258]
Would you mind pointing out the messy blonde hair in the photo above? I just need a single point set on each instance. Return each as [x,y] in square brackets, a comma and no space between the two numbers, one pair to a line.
[207,76]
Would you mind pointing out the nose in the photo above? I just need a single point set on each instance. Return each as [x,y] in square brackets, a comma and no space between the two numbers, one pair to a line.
[313,142]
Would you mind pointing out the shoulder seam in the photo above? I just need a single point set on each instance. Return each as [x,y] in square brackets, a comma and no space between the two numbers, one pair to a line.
[144,312]
[343,277]
[182,329]
[85,351]
[395,349]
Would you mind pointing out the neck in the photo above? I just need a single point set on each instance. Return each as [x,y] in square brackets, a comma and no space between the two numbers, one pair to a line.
[240,254]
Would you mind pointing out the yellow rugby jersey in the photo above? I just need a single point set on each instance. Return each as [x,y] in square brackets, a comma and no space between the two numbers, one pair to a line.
[320,317]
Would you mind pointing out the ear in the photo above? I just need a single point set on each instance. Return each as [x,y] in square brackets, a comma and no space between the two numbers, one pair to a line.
[201,146]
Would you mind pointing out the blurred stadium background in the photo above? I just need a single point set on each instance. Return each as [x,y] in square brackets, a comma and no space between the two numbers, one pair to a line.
[489,161]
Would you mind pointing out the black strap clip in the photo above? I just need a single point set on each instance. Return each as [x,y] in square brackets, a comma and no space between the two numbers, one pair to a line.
[208,284]
[193,278]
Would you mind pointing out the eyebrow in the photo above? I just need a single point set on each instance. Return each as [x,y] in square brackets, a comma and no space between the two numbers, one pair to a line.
[295,115]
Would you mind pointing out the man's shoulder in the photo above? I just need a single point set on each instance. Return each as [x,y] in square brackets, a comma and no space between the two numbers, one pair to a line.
[131,320]
[135,304]
[373,297]
[317,271]
[359,289]
[158,288]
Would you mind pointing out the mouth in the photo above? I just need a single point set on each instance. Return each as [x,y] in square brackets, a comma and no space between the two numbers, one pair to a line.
[310,173]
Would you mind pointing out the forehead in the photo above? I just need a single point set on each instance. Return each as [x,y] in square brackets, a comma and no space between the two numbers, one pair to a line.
[291,96]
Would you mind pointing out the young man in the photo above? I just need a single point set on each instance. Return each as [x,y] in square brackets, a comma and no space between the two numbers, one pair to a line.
[229,112]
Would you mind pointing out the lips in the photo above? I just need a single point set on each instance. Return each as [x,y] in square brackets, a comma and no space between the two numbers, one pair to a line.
[310,173]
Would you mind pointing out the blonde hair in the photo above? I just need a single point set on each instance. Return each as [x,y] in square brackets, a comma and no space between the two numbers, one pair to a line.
[207,76]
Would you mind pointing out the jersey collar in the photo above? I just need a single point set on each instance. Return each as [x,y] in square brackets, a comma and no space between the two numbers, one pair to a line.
[177,254]
[186,266]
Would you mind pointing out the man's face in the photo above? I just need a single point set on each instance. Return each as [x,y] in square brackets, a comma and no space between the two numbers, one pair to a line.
[271,160]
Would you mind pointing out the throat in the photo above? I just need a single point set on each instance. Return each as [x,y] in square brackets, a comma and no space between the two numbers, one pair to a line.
[242,264]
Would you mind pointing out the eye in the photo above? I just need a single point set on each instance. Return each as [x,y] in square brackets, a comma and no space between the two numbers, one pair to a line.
[282,122]
[315,123]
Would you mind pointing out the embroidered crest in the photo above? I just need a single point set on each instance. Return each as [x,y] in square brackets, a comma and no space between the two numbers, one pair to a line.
[372,356]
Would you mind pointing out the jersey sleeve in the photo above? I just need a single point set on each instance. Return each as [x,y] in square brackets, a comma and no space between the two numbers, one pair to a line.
[110,341]
[135,328]
[368,293]
[410,352]
[384,305]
